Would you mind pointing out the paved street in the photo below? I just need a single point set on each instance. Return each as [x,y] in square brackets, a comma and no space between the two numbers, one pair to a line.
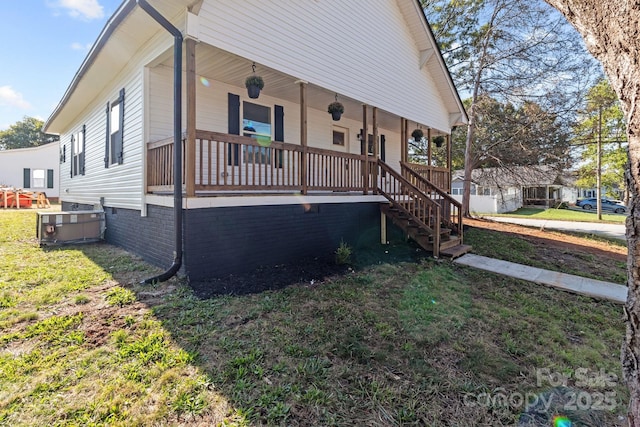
[616,231]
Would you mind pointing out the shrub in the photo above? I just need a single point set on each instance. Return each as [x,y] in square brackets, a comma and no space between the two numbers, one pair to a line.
[343,254]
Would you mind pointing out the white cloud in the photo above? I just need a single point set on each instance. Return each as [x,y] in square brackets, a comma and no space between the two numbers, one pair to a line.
[84,9]
[80,46]
[11,98]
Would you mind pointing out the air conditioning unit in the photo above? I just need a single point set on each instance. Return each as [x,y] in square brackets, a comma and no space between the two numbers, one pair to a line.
[56,228]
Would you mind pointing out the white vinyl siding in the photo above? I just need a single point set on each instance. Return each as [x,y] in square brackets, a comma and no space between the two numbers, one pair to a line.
[121,185]
[301,39]
[160,103]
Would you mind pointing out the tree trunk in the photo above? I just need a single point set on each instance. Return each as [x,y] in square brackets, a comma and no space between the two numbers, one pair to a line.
[471,127]
[468,165]
[611,30]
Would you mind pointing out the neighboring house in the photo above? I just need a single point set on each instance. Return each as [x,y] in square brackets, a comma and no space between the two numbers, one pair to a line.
[266,180]
[499,190]
[32,169]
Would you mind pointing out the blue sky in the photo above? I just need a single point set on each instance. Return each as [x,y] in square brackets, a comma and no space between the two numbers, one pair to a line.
[43,43]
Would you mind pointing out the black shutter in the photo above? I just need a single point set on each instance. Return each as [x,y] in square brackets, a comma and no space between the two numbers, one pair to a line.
[49,178]
[26,174]
[234,128]
[279,123]
[363,145]
[73,160]
[108,139]
[119,138]
[278,134]
[82,151]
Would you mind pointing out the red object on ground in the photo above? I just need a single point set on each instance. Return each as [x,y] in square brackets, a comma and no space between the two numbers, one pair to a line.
[24,200]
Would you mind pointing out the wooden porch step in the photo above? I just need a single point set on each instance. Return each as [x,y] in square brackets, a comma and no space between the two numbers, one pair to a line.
[422,234]
[455,251]
[445,234]
[452,242]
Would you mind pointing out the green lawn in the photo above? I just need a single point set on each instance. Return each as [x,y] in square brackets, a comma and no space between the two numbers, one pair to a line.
[564,215]
[424,343]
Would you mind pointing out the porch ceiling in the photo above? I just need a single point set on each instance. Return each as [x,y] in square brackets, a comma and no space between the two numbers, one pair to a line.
[216,64]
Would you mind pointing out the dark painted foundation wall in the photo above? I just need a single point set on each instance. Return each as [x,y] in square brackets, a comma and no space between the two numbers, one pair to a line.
[225,241]
[234,240]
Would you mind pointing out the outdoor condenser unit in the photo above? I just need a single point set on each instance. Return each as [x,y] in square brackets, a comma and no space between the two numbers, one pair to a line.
[56,228]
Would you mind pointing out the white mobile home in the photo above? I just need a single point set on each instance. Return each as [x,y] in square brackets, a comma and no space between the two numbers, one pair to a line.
[32,169]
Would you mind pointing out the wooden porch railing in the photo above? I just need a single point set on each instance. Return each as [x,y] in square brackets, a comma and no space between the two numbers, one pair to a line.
[160,165]
[238,163]
[438,176]
[451,208]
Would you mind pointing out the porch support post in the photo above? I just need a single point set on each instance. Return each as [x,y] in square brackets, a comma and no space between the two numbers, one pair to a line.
[429,154]
[303,137]
[374,172]
[403,140]
[191,118]
[365,145]
[448,163]
[406,140]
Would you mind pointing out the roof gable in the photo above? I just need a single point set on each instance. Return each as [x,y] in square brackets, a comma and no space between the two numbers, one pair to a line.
[399,76]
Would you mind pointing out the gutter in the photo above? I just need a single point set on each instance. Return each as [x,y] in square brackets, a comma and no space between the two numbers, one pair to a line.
[177,138]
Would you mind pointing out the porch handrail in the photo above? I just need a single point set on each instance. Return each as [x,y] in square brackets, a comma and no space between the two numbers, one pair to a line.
[238,163]
[412,201]
[452,208]
[437,175]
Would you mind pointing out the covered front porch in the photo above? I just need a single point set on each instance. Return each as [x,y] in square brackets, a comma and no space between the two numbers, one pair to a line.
[282,142]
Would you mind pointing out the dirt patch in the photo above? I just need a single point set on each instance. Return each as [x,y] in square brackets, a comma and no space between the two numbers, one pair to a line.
[544,238]
[584,256]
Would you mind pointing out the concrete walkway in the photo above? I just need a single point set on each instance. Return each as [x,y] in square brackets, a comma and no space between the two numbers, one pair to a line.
[617,231]
[567,282]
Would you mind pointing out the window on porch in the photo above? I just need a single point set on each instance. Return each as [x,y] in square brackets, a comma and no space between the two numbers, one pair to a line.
[256,123]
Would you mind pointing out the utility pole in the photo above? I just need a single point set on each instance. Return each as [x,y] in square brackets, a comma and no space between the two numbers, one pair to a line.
[599,165]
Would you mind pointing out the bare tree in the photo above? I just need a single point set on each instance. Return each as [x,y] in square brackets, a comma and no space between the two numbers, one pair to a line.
[514,51]
[611,30]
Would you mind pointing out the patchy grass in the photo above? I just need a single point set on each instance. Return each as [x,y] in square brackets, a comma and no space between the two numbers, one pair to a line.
[565,215]
[406,343]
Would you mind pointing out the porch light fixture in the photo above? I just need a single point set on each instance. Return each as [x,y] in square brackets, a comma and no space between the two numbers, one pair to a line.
[254,84]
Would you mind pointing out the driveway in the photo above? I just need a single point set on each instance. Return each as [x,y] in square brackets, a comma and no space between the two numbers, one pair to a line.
[617,231]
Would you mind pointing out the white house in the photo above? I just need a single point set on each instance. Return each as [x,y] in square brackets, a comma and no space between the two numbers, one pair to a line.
[268,179]
[506,189]
[33,169]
